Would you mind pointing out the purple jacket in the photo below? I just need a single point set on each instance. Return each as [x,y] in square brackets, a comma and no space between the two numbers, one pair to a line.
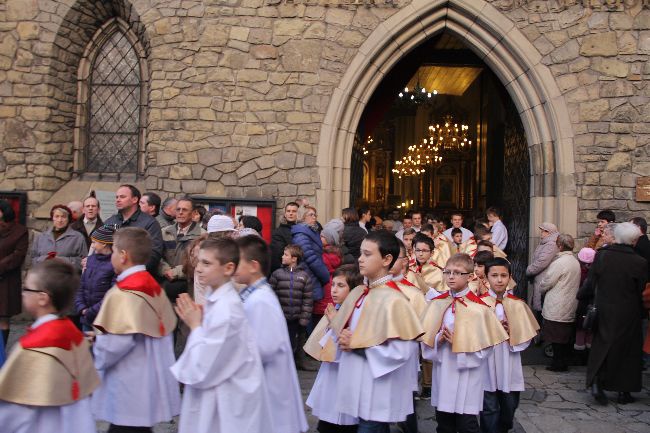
[96,280]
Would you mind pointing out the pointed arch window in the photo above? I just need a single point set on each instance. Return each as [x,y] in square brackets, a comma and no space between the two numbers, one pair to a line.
[111,113]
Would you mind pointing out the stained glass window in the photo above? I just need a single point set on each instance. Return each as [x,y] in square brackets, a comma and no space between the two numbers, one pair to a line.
[114,110]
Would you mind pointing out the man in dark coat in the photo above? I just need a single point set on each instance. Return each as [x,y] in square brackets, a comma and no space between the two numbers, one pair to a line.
[618,275]
[642,246]
[281,237]
[13,248]
[90,221]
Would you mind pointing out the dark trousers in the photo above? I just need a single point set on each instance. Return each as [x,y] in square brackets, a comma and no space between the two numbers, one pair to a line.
[456,423]
[411,423]
[124,429]
[498,412]
[174,288]
[561,354]
[328,427]
[366,426]
[293,326]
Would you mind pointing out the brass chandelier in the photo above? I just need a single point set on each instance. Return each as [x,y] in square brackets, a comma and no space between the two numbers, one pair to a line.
[417,159]
[449,135]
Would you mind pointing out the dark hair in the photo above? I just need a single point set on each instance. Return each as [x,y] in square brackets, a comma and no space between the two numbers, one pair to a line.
[494,211]
[402,247]
[416,212]
[641,223]
[169,200]
[295,251]
[362,211]
[135,241]
[409,215]
[135,192]
[154,200]
[291,203]
[607,215]
[478,231]
[453,214]
[351,274]
[254,248]
[8,214]
[387,243]
[188,199]
[251,222]
[423,239]
[349,215]
[484,243]
[225,249]
[409,231]
[482,257]
[456,231]
[202,211]
[427,228]
[497,261]
[59,279]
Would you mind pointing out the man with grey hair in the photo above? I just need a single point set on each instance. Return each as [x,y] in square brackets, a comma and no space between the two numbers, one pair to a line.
[77,209]
[167,215]
[626,233]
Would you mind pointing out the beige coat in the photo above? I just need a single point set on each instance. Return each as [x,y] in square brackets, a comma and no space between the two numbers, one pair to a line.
[561,282]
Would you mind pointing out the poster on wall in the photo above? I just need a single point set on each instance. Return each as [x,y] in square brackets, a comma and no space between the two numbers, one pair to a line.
[264,209]
[18,202]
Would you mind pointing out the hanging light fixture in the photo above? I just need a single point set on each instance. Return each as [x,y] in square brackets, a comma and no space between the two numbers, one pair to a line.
[450,135]
[417,95]
[417,159]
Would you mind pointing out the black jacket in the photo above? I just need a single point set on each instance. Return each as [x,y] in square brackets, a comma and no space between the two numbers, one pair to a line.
[81,228]
[294,290]
[353,235]
[149,223]
[642,248]
[280,238]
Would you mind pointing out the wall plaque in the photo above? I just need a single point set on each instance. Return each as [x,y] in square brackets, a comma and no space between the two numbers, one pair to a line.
[643,188]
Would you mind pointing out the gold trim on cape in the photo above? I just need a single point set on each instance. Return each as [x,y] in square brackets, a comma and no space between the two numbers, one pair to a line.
[133,312]
[476,327]
[46,376]
[313,348]
[385,314]
[429,277]
[522,325]
[415,297]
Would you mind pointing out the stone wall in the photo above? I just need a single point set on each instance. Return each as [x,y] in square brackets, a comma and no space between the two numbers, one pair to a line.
[238,90]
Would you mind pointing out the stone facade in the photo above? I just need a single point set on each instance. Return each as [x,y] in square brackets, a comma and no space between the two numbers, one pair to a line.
[239,93]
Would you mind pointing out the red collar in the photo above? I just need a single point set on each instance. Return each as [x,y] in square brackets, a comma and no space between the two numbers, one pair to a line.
[393,285]
[140,282]
[59,333]
[406,282]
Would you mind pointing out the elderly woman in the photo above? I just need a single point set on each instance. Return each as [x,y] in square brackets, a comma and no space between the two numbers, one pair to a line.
[542,257]
[60,240]
[306,235]
[618,276]
[13,248]
[560,284]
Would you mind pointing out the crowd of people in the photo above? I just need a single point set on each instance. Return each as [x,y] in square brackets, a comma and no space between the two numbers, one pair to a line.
[388,310]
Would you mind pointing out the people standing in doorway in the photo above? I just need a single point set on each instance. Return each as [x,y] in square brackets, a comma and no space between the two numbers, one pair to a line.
[457,223]
[416,218]
[365,215]
[498,229]
[542,257]
[353,235]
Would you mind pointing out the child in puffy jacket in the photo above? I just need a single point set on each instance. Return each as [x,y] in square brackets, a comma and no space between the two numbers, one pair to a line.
[98,277]
[293,287]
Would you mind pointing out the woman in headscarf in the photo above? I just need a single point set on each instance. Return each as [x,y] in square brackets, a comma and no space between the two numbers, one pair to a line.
[60,240]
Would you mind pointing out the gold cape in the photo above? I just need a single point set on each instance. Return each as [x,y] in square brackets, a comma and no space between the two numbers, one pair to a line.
[429,276]
[46,376]
[386,314]
[469,247]
[133,312]
[498,252]
[476,326]
[313,348]
[522,325]
[443,250]
[414,294]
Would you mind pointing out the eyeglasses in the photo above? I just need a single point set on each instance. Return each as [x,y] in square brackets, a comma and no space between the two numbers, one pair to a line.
[310,214]
[455,273]
[402,258]
[422,251]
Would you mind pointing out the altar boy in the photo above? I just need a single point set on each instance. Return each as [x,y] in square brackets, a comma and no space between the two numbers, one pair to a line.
[45,385]
[505,377]
[269,327]
[460,331]
[135,347]
[220,366]
[376,328]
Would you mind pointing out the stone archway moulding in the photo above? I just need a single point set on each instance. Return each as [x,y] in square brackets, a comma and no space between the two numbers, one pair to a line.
[496,40]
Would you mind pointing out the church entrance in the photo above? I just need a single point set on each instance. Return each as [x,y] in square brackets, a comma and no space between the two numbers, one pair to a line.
[440,134]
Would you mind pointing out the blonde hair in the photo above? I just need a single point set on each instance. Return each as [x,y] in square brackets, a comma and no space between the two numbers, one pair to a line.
[463,260]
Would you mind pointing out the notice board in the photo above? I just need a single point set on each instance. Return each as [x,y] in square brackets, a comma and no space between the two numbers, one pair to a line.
[264,209]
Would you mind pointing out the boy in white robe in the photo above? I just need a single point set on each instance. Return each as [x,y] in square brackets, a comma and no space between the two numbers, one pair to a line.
[376,328]
[46,383]
[505,378]
[220,366]
[321,345]
[269,328]
[134,347]
[459,353]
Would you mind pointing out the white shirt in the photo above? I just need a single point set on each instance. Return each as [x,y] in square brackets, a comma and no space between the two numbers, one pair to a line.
[269,328]
[466,234]
[499,234]
[400,233]
[363,226]
[222,371]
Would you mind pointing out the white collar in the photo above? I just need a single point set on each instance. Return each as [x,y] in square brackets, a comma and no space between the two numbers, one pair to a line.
[220,291]
[130,271]
[44,319]
[460,294]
